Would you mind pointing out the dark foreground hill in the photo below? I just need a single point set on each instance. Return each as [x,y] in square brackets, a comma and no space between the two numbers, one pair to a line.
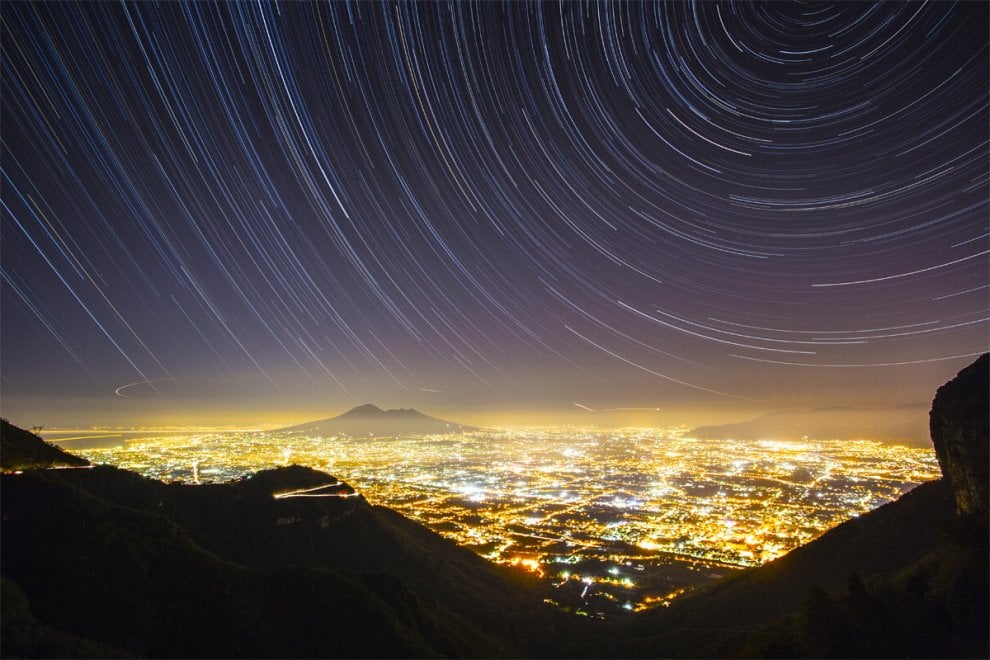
[288,563]
[21,450]
[370,420]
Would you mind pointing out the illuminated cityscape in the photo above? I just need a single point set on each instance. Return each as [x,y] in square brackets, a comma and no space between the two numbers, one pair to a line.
[612,519]
[687,285]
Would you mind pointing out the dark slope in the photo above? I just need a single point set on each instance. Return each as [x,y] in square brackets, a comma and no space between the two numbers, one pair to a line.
[106,559]
[907,580]
[719,620]
[21,450]
[372,420]
[25,636]
[887,539]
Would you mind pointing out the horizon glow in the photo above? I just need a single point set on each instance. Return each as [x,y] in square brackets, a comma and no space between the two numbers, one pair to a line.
[254,214]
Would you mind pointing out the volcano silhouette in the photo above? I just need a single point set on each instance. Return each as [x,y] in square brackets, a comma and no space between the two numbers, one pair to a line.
[370,420]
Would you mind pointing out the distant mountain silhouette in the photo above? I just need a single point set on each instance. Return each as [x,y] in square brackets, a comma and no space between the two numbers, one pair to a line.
[371,420]
[21,450]
[902,424]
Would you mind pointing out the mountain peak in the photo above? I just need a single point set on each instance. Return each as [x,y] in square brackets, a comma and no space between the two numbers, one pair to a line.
[369,419]
[367,409]
[371,411]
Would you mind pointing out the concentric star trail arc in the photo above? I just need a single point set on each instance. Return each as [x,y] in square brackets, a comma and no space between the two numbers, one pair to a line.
[490,204]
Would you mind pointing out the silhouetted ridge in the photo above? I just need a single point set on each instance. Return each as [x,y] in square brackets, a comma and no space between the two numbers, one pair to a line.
[900,423]
[285,563]
[366,410]
[369,419]
[20,450]
[293,477]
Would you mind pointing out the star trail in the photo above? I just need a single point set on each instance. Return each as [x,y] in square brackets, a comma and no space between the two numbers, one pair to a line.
[254,207]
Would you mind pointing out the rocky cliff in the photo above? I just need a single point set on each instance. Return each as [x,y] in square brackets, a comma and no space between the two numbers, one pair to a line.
[958,422]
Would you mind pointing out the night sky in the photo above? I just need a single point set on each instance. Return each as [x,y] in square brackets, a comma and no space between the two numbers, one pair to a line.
[241,213]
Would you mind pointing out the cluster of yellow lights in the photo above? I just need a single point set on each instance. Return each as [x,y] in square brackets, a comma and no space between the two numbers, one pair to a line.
[535,497]
[662,601]
[531,565]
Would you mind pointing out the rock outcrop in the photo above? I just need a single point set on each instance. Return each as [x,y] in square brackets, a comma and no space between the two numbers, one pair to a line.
[958,422]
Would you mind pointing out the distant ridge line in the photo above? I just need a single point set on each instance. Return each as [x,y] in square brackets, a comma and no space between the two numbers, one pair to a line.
[370,420]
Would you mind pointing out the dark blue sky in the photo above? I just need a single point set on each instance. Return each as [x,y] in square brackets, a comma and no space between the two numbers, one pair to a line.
[241,211]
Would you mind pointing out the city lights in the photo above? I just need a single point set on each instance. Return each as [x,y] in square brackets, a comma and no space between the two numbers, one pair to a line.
[627,516]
